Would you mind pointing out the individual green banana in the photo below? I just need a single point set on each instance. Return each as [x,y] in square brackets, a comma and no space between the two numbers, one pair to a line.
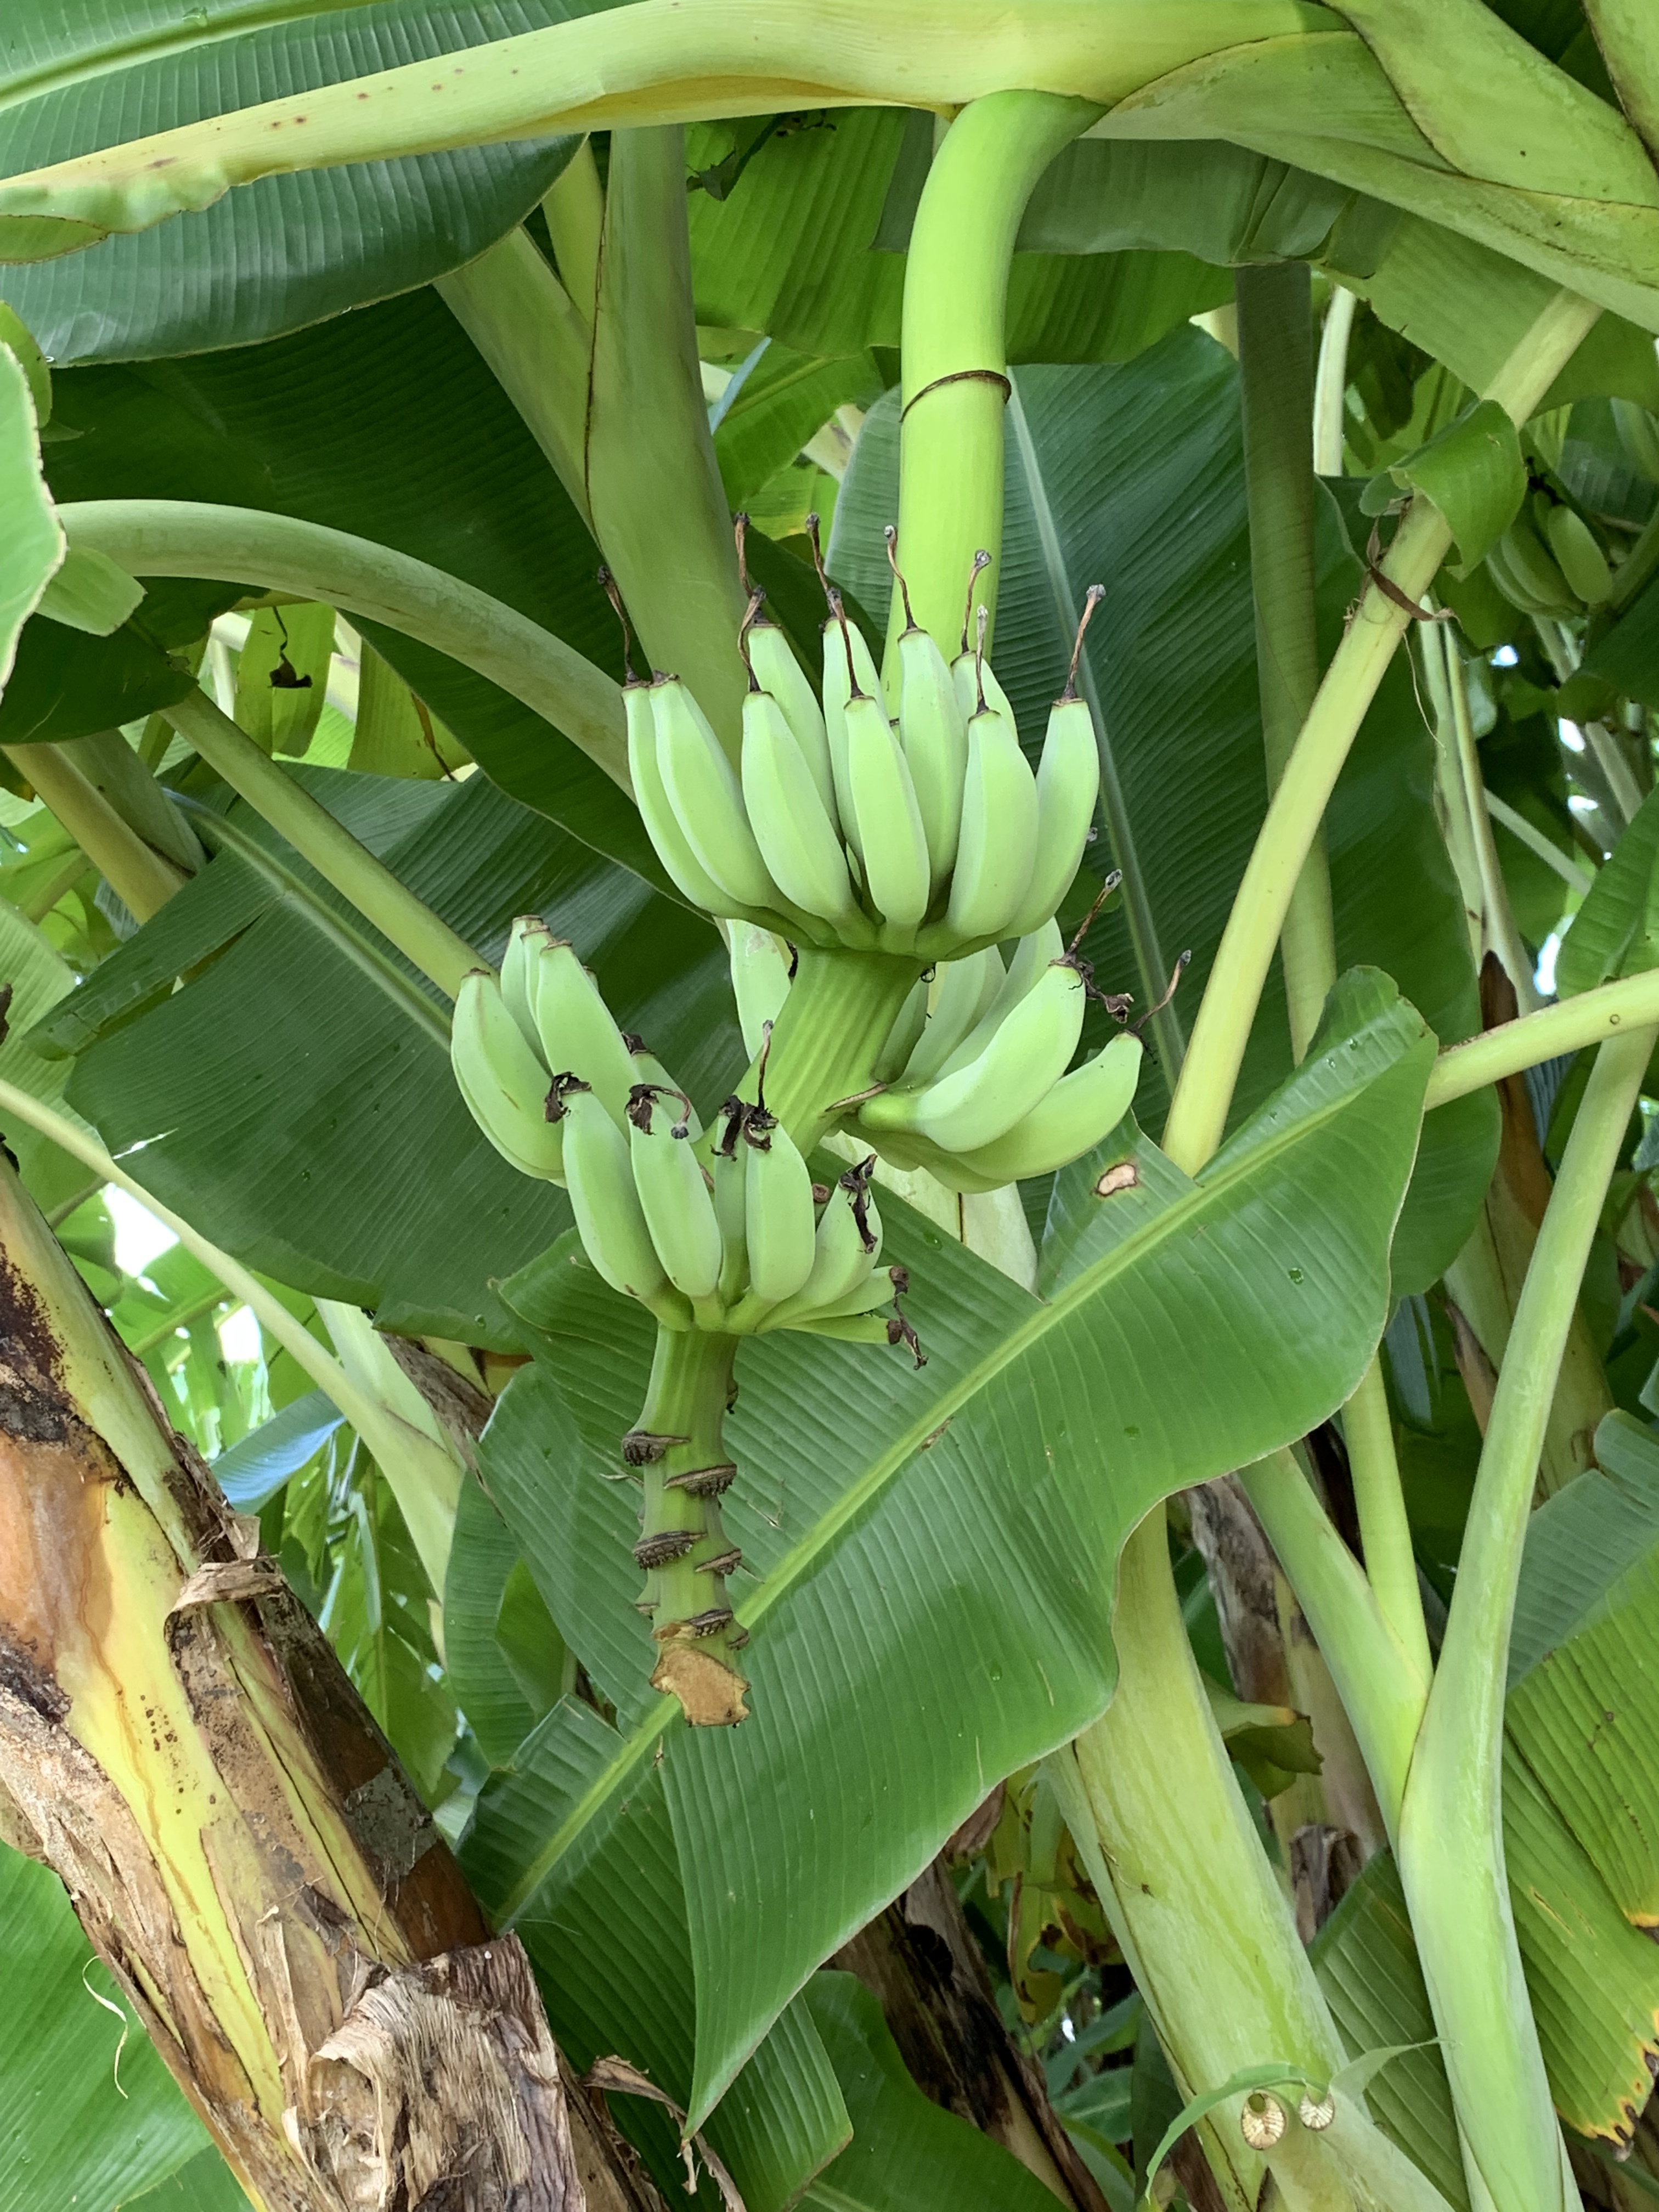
[1577,555]
[1638,433]
[840,637]
[675,1195]
[777,671]
[502,1080]
[599,1174]
[961,995]
[1067,784]
[1526,555]
[773,666]
[1081,1109]
[727,1169]
[760,979]
[905,1034]
[1025,1057]
[1032,957]
[846,1248]
[574,1026]
[998,845]
[1513,585]
[893,844]
[687,873]
[933,731]
[798,838]
[780,1229]
[527,933]
[703,790]
[647,1068]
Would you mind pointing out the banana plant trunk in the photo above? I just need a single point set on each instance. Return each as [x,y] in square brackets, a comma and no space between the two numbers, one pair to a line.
[178,1742]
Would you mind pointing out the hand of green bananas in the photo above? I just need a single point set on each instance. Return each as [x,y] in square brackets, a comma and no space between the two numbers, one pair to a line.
[926,834]
[1548,560]
[725,1230]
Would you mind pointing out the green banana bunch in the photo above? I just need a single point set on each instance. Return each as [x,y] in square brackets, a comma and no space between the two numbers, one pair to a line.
[1525,570]
[503,1079]
[925,833]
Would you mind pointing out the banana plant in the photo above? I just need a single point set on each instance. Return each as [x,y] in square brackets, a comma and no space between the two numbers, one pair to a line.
[860,805]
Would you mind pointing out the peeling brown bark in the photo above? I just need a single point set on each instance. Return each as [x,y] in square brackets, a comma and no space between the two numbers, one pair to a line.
[179,1743]
[1275,1661]
[919,1961]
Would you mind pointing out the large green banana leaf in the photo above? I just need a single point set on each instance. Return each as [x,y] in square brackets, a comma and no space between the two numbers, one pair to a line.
[292,249]
[386,424]
[290,1127]
[935,1549]
[1133,477]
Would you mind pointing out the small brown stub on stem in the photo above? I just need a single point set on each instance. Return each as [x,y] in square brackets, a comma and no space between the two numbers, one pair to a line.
[981,561]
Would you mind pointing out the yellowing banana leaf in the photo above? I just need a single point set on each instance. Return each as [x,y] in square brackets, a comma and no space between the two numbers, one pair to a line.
[935,1549]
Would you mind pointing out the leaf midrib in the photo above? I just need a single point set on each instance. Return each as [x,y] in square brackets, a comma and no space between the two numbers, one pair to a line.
[796,1564]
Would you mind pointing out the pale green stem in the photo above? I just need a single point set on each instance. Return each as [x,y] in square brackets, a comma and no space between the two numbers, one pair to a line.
[1592,1016]
[1331,382]
[1276,389]
[370,582]
[1198,1113]
[1451,792]
[424,1474]
[427,942]
[538,347]
[1451,1837]
[1502,934]
[653,485]
[1384,1529]
[1379,1677]
[1276,379]
[956,287]
[574,208]
[138,875]
[1576,878]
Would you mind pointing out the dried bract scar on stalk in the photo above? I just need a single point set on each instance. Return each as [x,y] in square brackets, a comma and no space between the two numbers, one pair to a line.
[838,827]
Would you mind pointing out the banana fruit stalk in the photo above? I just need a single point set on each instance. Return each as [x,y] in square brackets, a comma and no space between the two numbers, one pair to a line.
[928,833]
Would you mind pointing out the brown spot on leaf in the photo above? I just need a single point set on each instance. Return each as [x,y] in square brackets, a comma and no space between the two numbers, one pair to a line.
[1124,1177]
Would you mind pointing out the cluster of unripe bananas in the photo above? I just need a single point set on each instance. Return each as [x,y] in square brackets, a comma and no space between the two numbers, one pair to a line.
[927,833]
[1547,561]
[723,1230]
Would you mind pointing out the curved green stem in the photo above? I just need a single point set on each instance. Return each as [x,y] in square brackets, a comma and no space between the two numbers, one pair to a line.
[180,538]
[955,388]
[1384,1530]
[1451,1837]
[1594,1015]
[1198,1113]
[139,875]
[1331,382]
[418,934]
[1275,362]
